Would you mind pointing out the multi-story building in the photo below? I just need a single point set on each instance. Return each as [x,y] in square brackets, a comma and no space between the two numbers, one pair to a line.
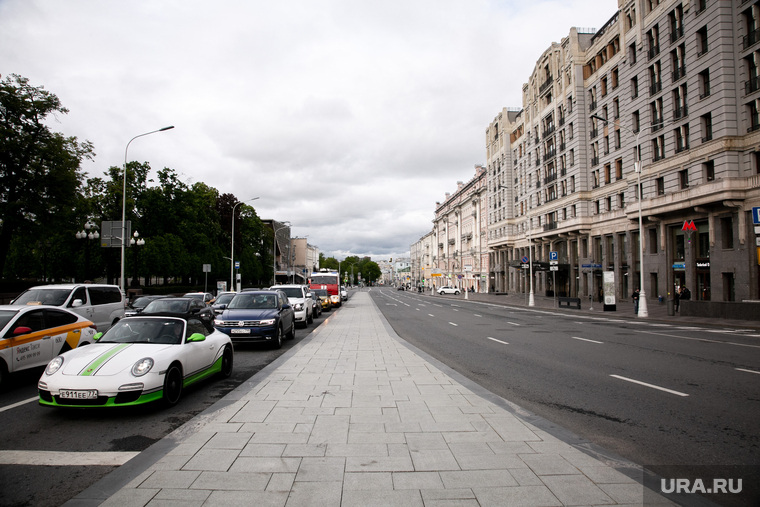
[665,94]
[459,249]
[422,260]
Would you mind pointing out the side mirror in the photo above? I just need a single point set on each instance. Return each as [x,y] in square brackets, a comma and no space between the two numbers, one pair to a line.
[196,337]
[286,306]
[22,330]
[97,336]
[76,303]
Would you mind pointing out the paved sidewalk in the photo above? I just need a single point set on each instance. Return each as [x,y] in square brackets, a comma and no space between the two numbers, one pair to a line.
[354,416]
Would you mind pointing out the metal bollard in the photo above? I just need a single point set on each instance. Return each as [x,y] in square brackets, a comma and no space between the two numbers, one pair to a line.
[671,307]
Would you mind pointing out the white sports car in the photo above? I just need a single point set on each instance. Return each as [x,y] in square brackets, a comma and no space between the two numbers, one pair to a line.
[139,360]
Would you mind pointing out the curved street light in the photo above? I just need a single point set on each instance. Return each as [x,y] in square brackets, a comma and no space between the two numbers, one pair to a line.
[123,238]
[232,251]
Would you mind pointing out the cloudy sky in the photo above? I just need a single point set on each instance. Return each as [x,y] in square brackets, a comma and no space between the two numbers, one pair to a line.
[348,118]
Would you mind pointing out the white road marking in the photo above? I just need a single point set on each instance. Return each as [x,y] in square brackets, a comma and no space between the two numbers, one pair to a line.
[455,325]
[649,385]
[431,315]
[748,371]
[477,315]
[65,458]
[499,341]
[513,323]
[24,402]
[584,339]
[701,339]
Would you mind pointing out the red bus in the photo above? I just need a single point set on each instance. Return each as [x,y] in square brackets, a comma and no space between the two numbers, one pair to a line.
[329,280]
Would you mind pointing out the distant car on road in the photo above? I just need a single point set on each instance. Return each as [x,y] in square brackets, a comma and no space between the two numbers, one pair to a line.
[300,298]
[181,305]
[30,336]
[447,289]
[343,294]
[206,297]
[139,305]
[222,300]
[258,316]
[139,360]
[324,299]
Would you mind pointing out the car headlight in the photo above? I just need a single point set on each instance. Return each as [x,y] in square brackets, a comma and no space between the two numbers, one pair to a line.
[298,307]
[142,367]
[267,322]
[54,365]
[218,322]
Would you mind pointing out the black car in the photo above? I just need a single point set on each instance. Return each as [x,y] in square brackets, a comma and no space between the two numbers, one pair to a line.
[181,305]
[139,304]
[258,316]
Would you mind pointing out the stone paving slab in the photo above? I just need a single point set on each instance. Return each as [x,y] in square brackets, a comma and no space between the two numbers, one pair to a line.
[354,416]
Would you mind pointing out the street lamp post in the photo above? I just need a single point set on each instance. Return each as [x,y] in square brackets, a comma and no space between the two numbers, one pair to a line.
[643,309]
[274,250]
[89,236]
[123,238]
[136,241]
[232,250]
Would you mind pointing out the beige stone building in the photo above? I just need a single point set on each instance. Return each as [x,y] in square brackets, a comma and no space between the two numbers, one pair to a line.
[678,85]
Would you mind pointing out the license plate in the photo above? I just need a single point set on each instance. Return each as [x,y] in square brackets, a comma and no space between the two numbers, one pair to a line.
[240,331]
[90,394]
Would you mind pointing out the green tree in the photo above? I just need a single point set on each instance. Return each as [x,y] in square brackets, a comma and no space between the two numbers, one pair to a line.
[40,172]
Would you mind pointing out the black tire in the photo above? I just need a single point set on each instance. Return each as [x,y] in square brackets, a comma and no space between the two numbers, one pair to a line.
[227,361]
[309,318]
[277,343]
[292,333]
[172,386]
[456,292]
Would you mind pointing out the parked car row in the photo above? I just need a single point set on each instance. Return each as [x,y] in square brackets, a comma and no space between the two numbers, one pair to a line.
[163,345]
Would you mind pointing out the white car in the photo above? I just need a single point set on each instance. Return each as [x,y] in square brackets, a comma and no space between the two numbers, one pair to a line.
[139,360]
[299,297]
[447,289]
[343,294]
[30,336]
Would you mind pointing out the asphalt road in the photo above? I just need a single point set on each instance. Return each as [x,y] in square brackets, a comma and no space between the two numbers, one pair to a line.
[63,436]
[656,394]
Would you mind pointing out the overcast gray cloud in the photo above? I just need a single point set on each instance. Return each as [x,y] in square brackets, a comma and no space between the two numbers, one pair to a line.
[348,118]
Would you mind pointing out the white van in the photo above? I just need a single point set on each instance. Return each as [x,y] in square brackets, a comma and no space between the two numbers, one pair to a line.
[101,304]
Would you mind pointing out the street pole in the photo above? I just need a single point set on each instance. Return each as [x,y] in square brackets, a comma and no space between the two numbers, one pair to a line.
[232,250]
[123,238]
[637,166]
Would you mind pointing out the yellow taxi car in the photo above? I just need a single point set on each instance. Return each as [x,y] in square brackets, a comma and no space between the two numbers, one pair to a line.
[30,336]
[324,299]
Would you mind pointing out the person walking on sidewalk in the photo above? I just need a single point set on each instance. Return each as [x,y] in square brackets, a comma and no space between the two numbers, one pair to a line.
[635,298]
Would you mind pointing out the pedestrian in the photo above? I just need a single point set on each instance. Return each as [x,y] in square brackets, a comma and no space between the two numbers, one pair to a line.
[635,298]
[685,293]
[601,295]
[677,299]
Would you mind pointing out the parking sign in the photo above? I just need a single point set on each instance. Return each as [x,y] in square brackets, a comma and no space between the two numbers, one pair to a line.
[756,215]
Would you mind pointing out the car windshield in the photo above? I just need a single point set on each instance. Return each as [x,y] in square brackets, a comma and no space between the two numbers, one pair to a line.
[142,302]
[321,293]
[55,297]
[6,316]
[165,331]
[253,301]
[292,292]
[167,306]
[324,279]
[224,299]
[195,295]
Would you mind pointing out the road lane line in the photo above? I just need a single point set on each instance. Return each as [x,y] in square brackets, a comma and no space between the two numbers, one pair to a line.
[649,385]
[705,340]
[499,341]
[455,325]
[431,315]
[748,371]
[513,323]
[65,458]
[584,339]
[477,315]
[24,402]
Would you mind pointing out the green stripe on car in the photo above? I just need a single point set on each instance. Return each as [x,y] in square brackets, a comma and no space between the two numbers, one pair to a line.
[93,367]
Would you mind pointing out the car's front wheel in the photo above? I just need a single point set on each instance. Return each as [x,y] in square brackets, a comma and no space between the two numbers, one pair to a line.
[227,360]
[292,333]
[172,386]
[277,343]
